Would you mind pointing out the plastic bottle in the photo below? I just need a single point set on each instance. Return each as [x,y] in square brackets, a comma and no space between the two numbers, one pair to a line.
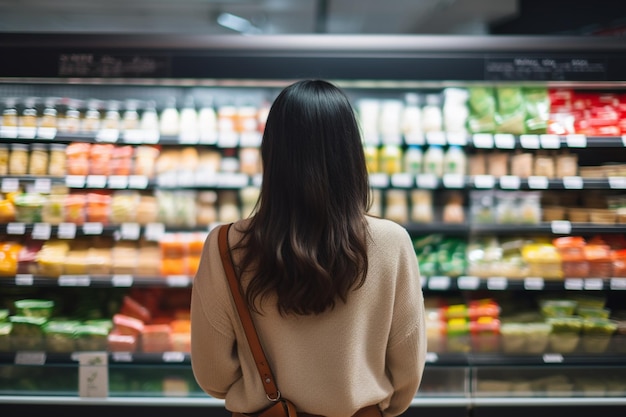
[207,123]
[169,123]
[390,159]
[188,120]
[411,120]
[432,117]
[413,160]
[433,160]
[455,110]
[455,161]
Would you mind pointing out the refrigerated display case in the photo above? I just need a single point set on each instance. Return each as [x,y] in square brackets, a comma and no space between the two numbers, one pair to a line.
[502,156]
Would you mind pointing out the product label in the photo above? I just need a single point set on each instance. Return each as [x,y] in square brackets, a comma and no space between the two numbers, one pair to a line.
[545,69]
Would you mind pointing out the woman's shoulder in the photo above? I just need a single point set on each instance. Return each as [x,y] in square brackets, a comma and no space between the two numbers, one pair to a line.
[385,229]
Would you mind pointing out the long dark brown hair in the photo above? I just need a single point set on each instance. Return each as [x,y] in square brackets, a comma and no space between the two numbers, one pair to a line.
[307,239]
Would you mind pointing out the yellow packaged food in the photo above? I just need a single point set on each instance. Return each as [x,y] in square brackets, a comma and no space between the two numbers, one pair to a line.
[9,252]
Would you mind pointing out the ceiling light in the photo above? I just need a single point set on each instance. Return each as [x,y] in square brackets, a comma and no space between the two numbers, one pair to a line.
[236,23]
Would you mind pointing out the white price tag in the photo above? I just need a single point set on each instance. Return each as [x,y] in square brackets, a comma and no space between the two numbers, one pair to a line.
[24,279]
[42,185]
[133,136]
[232,180]
[484,181]
[27,132]
[122,280]
[550,141]
[178,280]
[118,181]
[151,136]
[573,183]
[436,138]
[468,283]
[93,375]
[504,141]
[537,182]
[529,141]
[130,231]
[47,133]
[403,180]
[510,182]
[250,139]
[576,141]
[8,132]
[453,181]
[188,137]
[122,356]
[561,227]
[431,357]
[154,231]
[427,181]
[439,283]
[594,284]
[66,231]
[617,182]
[30,358]
[228,140]
[75,181]
[533,283]
[16,228]
[41,231]
[483,140]
[392,139]
[74,281]
[552,358]
[96,181]
[138,182]
[618,283]
[108,135]
[93,228]
[10,185]
[497,283]
[185,178]
[176,357]
[575,284]
[457,138]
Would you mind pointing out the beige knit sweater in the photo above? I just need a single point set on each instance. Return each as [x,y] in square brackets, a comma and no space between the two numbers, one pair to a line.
[370,350]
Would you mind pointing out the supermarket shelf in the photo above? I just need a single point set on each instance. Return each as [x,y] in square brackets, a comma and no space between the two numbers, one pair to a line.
[560,227]
[430,283]
[432,359]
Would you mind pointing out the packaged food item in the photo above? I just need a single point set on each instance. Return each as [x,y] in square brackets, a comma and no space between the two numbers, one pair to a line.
[453,211]
[390,159]
[389,124]
[75,262]
[27,332]
[537,337]
[60,336]
[121,342]
[482,105]
[126,325]
[4,159]
[75,210]
[99,261]
[558,308]
[34,308]
[100,156]
[5,336]
[124,257]
[458,336]
[422,206]
[28,207]
[510,115]
[597,334]
[432,114]
[537,106]
[169,122]
[434,161]
[9,258]
[485,334]
[411,120]
[565,335]
[92,121]
[600,260]
[91,338]
[98,207]
[522,164]
[57,160]
[50,259]
[156,338]
[396,206]
[455,161]
[18,159]
[372,158]
[77,158]
[571,250]
[38,159]
[455,110]
[132,308]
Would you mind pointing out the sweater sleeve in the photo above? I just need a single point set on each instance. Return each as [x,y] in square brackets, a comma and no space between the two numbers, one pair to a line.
[406,352]
[214,359]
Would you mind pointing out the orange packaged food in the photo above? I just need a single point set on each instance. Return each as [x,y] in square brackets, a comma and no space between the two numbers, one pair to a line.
[156,338]
[9,254]
[77,158]
[572,251]
[127,325]
[117,342]
[98,207]
[100,158]
[75,208]
[132,308]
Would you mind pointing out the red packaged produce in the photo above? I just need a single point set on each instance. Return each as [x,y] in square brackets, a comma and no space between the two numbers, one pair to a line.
[124,324]
[132,308]
[156,338]
[121,342]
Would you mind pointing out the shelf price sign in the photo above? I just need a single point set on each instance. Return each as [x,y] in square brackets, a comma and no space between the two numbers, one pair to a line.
[93,375]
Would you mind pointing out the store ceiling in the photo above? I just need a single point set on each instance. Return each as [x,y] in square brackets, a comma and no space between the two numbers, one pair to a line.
[265,16]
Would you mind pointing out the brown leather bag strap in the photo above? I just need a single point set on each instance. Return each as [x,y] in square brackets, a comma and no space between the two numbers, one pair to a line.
[267,378]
